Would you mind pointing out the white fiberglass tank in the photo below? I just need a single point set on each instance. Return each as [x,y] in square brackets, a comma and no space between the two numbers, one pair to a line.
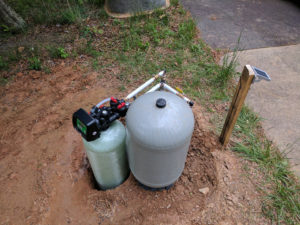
[107,156]
[159,129]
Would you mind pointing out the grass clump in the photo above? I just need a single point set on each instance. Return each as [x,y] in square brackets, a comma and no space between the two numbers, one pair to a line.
[8,58]
[70,15]
[175,2]
[34,63]
[62,53]
[228,69]
[58,52]
[3,64]
[187,30]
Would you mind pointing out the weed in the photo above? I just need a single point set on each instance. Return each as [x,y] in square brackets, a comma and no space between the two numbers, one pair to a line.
[102,14]
[62,53]
[182,11]
[196,48]
[3,64]
[187,30]
[13,56]
[46,69]
[227,71]
[117,22]
[246,122]
[57,52]
[9,57]
[91,51]
[97,30]
[90,32]
[219,95]
[53,53]
[70,16]
[132,41]
[175,2]
[164,19]
[34,63]
[86,32]
[95,64]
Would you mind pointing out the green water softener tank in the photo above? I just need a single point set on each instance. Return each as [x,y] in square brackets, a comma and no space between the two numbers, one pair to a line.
[107,156]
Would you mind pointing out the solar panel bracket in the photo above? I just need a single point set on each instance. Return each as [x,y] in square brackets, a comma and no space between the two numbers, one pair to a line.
[260,75]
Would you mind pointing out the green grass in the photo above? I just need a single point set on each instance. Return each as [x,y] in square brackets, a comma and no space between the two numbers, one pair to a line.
[282,204]
[9,58]
[187,30]
[227,70]
[150,43]
[34,63]
[57,52]
[54,11]
[3,64]
[246,123]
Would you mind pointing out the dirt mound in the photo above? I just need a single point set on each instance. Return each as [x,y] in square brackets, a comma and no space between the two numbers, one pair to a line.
[45,177]
[131,204]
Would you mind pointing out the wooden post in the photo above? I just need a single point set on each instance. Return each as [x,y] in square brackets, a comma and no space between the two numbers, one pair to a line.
[237,103]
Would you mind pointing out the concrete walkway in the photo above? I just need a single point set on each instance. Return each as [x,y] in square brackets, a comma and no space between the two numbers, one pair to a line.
[263,24]
[278,101]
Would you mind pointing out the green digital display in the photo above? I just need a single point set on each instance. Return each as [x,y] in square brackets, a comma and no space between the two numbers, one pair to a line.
[81,126]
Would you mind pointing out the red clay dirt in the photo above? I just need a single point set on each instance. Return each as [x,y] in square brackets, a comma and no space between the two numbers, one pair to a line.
[45,176]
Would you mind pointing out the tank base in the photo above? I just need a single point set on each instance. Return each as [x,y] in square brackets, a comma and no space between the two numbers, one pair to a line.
[100,187]
[128,14]
[155,189]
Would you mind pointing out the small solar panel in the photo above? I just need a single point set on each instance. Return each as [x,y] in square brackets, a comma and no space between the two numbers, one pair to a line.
[260,74]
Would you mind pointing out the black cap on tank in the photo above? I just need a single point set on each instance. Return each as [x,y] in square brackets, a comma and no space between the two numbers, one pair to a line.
[161,103]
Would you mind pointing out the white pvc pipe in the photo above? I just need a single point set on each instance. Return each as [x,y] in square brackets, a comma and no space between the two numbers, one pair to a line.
[140,88]
[169,88]
[102,102]
[154,88]
[162,73]
[146,84]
